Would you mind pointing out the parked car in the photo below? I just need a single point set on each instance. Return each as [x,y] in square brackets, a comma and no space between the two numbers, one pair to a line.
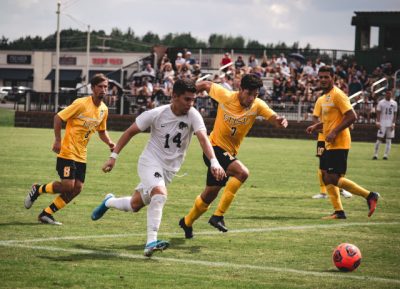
[18,93]
[4,90]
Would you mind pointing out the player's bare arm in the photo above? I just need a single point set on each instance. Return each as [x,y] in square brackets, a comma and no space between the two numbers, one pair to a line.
[278,121]
[123,140]
[203,86]
[57,134]
[205,144]
[104,136]
[394,121]
[378,117]
[314,127]
[349,118]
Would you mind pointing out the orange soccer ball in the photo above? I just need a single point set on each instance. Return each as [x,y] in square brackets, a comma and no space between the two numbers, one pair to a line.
[346,257]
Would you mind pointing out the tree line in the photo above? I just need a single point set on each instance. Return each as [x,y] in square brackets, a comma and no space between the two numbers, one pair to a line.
[119,41]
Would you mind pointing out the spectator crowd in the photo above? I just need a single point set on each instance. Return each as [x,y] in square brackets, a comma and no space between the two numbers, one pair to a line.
[289,81]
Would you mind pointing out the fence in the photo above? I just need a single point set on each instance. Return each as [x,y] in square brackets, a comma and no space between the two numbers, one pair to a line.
[128,104]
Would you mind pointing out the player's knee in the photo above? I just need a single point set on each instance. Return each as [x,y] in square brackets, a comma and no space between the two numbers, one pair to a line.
[67,188]
[330,179]
[326,178]
[136,206]
[243,174]
[135,209]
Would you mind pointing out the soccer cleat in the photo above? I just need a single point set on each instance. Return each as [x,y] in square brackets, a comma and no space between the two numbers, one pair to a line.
[374,157]
[335,215]
[218,222]
[100,210]
[32,196]
[46,218]
[188,230]
[372,201]
[345,193]
[320,196]
[385,158]
[158,245]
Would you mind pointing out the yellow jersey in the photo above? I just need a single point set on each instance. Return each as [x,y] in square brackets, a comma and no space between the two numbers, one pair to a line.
[233,121]
[83,119]
[330,109]
[321,137]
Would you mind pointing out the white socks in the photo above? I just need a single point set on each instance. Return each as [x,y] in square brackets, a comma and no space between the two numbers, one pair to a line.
[377,144]
[154,215]
[154,212]
[388,146]
[122,204]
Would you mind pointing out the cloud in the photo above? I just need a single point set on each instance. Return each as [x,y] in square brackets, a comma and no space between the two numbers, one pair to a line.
[320,23]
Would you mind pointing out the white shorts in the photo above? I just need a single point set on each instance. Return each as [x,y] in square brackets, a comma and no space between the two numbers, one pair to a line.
[385,132]
[151,175]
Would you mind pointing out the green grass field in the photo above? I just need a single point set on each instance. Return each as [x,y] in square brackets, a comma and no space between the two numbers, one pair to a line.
[276,239]
[6,117]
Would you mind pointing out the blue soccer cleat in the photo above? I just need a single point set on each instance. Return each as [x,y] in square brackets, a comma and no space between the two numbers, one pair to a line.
[101,209]
[158,245]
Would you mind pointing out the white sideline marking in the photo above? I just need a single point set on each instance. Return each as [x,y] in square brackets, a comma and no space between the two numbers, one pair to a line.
[206,263]
[204,233]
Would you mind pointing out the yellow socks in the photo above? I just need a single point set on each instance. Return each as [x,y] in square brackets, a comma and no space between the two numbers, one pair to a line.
[58,204]
[232,186]
[322,187]
[352,187]
[198,209]
[46,188]
[334,195]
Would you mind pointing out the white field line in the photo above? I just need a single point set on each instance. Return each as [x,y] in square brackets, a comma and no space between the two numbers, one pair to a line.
[208,263]
[214,232]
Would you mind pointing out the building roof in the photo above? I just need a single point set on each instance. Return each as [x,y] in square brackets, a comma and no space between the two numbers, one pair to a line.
[376,18]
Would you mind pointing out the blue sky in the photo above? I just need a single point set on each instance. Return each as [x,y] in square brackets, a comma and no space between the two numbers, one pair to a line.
[323,24]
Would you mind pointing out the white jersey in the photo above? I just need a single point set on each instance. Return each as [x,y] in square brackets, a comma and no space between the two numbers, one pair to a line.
[387,108]
[170,135]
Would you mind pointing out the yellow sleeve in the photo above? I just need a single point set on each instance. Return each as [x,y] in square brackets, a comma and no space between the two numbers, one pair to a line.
[342,102]
[72,110]
[219,93]
[317,108]
[263,109]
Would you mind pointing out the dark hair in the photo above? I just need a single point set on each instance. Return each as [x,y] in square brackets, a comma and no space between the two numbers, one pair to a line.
[326,68]
[251,82]
[183,85]
[98,78]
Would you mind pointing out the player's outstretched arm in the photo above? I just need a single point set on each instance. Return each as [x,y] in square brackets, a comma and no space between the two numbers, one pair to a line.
[123,140]
[104,136]
[314,127]
[203,86]
[278,121]
[57,124]
[216,169]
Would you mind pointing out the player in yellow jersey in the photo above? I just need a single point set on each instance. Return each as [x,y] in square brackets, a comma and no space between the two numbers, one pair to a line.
[236,114]
[83,117]
[336,115]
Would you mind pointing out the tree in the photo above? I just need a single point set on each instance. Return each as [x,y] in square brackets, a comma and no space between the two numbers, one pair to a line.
[3,42]
[151,38]
[254,44]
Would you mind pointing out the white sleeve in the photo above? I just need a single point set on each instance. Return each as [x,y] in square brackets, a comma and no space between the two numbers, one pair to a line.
[196,120]
[145,119]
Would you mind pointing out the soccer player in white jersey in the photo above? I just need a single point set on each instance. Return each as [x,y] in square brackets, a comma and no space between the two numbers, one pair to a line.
[172,127]
[386,115]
